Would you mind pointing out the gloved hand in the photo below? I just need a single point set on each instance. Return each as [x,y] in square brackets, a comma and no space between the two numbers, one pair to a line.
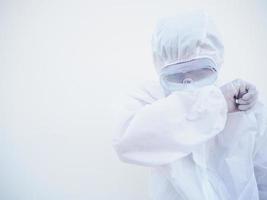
[240,95]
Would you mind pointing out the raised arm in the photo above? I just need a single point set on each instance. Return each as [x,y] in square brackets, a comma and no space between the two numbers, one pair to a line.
[167,129]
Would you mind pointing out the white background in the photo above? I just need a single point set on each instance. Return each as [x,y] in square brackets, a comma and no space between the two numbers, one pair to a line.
[61,64]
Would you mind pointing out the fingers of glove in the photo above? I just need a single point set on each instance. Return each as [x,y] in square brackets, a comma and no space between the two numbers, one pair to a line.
[246,107]
[250,86]
[239,87]
[236,84]
[241,101]
[242,88]
[250,94]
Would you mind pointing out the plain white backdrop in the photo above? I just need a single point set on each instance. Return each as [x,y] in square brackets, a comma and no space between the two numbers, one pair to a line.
[62,62]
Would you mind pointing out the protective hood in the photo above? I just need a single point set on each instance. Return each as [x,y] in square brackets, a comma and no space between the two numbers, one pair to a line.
[185,38]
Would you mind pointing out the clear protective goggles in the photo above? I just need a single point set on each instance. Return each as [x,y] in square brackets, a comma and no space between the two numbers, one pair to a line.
[188,75]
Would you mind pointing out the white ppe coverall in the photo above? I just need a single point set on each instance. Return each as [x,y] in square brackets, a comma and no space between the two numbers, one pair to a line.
[195,148]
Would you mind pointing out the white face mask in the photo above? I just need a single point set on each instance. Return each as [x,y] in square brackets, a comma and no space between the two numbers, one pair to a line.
[188,75]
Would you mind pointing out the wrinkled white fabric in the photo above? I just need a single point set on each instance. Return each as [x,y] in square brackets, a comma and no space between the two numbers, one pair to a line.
[159,132]
[196,150]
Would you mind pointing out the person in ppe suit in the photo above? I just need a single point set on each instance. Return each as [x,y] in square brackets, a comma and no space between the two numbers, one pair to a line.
[201,140]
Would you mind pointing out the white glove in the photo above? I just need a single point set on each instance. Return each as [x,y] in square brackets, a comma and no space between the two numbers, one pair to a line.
[240,95]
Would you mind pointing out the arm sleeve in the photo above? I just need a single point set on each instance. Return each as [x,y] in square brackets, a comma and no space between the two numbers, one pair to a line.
[162,131]
[260,154]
